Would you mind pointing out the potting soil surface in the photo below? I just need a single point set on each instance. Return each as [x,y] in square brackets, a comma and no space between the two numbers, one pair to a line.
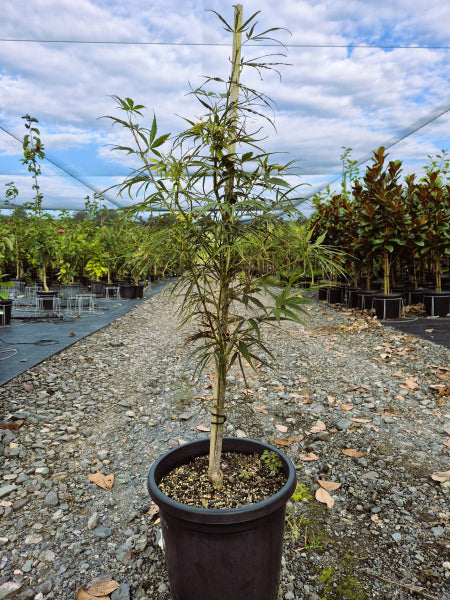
[32,338]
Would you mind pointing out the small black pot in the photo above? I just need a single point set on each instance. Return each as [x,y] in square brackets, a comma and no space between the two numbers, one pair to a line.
[387,306]
[415,296]
[47,302]
[7,307]
[126,291]
[97,287]
[222,554]
[335,294]
[352,296]
[437,304]
[138,291]
[365,299]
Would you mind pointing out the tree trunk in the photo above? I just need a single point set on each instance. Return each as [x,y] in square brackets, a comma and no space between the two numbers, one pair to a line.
[386,268]
[437,268]
[217,424]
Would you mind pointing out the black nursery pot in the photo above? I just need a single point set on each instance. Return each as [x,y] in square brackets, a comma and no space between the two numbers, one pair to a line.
[215,554]
[387,306]
[365,299]
[126,291]
[7,307]
[437,304]
[335,294]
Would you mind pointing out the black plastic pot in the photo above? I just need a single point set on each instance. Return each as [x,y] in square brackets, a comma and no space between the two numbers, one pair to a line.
[352,296]
[335,294]
[365,299]
[126,291]
[7,307]
[323,293]
[387,306]
[138,291]
[222,554]
[47,302]
[437,304]
[415,296]
[97,287]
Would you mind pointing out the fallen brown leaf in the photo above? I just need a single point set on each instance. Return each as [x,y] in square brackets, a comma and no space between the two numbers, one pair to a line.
[12,426]
[295,438]
[281,442]
[104,481]
[357,420]
[318,426]
[324,497]
[281,428]
[153,511]
[103,588]
[353,452]
[441,476]
[202,428]
[346,407]
[329,485]
[84,595]
[309,456]
[447,443]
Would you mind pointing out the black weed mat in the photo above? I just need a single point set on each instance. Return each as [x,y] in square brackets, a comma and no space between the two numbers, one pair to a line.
[433,329]
[30,340]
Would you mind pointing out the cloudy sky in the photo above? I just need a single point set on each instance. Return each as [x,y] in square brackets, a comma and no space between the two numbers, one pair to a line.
[362,74]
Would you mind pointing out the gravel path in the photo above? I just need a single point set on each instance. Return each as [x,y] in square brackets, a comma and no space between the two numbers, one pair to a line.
[344,382]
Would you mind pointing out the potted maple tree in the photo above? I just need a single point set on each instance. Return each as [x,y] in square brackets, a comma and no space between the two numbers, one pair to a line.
[221,189]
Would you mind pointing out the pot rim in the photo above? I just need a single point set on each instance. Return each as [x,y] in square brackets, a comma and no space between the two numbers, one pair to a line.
[200,447]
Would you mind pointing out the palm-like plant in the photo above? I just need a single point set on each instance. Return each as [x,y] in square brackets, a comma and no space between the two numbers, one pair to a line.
[222,189]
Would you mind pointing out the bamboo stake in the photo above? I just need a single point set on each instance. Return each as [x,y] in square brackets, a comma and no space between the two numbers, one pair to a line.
[236,68]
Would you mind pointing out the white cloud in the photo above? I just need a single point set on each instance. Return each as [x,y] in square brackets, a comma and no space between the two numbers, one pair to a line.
[327,98]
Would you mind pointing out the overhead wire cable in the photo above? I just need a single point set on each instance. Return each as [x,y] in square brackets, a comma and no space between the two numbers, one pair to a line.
[223,45]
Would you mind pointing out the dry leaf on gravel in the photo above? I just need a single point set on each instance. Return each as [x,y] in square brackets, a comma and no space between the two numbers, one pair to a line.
[410,384]
[441,476]
[357,420]
[309,456]
[104,481]
[353,452]
[281,428]
[442,390]
[13,426]
[329,485]
[295,438]
[447,443]
[153,511]
[202,428]
[281,442]
[84,595]
[103,588]
[290,440]
[324,497]
[318,426]
[346,406]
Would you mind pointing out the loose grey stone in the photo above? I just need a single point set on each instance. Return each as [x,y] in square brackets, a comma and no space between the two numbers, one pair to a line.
[102,532]
[93,521]
[122,592]
[343,424]
[51,499]
[8,588]
[6,490]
